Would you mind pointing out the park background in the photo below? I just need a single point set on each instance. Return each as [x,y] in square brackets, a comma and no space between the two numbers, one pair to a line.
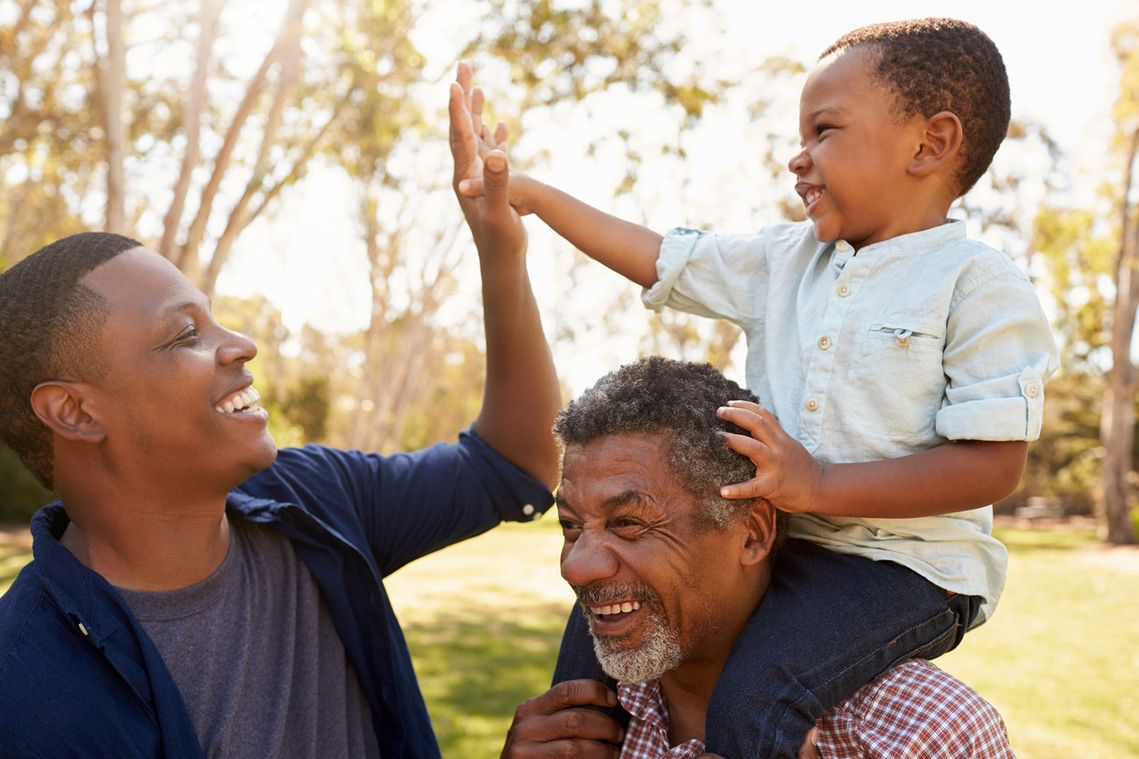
[291,158]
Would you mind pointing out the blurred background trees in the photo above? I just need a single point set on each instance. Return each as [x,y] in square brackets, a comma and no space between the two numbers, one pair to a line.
[195,125]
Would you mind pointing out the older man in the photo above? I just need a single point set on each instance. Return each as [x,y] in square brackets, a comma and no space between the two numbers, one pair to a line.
[194,592]
[667,573]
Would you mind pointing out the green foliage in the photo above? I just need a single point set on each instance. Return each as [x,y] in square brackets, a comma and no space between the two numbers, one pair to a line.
[20,493]
[306,406]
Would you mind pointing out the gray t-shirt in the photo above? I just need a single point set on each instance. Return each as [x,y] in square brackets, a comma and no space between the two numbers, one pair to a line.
[256,657]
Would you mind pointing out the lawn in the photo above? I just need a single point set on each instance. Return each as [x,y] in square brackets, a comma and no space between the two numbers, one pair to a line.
[1060,659]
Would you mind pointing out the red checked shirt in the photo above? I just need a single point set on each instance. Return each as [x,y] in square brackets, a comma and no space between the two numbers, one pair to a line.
[914,710]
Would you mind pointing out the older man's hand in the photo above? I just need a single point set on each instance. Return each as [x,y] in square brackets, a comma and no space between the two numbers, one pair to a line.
[559,723]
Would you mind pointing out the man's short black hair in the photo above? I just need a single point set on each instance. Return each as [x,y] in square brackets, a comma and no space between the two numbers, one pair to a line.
[50,329]
[942,64]
[679,398]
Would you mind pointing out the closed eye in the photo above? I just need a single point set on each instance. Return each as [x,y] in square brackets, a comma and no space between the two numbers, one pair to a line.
[626,527]
[188,336]
[570,530]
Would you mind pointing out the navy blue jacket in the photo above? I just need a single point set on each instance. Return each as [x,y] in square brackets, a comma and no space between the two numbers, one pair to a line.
[80,677]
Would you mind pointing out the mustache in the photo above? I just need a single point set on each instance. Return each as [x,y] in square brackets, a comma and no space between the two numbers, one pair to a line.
[600,593]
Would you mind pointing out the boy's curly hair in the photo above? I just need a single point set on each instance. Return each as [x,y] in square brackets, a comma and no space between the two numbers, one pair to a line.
[678,398]
[942,64]
[50,329]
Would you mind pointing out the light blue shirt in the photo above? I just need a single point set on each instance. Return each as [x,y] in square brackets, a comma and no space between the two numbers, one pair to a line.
[915,341]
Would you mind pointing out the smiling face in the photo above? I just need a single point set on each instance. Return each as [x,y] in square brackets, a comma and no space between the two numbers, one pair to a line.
[659,589]
[176,403]
[853,169]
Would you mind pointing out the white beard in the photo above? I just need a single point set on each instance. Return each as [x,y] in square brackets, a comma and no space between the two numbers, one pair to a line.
[659,653]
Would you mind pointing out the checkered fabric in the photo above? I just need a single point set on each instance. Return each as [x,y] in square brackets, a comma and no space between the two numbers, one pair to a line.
[914,711]
[646,737]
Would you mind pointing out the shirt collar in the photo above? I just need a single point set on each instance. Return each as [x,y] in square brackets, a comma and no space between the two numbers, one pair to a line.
[925,240]
[645,702]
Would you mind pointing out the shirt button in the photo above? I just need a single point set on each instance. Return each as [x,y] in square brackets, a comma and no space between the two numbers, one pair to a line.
[1032,391]
[824,342]
[528,510]
[842,246]
[843,290]
[812,405]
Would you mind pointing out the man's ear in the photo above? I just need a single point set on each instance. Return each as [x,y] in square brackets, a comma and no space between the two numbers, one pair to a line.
[760,523]
[62,407]
[940,146]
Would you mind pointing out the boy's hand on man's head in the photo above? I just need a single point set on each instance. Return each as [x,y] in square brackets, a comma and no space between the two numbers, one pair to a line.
[785,473]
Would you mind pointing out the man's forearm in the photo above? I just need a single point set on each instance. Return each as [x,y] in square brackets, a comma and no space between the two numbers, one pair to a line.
[522,394]
[952,477]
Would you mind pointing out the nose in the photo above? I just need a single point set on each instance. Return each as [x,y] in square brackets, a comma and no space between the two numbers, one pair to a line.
[587,560]
[799,162]
[235,348]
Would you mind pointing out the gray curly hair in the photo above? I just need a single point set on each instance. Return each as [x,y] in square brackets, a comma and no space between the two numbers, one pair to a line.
[657,394]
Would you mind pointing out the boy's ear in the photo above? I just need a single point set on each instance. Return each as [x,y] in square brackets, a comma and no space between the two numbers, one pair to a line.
[61,406]
[941,143]
[760,533]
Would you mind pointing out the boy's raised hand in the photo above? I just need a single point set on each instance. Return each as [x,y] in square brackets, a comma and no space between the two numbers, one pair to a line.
[785,474]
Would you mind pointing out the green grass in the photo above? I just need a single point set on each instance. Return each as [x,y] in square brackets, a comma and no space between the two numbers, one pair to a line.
[1060,659]
[15,552]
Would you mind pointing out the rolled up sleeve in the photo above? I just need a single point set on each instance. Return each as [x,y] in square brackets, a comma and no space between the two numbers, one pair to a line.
[999,352]
[717,276]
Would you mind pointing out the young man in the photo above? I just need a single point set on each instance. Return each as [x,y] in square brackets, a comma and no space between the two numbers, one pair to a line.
[193,591]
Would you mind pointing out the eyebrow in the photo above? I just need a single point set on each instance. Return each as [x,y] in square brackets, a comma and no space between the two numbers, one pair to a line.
[168,313]
[825,109]
[623,498]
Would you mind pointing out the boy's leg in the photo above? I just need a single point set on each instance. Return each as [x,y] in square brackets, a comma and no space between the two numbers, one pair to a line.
[829,624]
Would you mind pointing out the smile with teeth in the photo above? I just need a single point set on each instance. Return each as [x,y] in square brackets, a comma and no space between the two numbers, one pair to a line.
[609,609]
[811,195]
[242,400]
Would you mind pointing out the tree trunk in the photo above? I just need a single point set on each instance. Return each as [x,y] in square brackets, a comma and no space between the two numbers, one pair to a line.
[208,18]
[1117,427]
[112,83]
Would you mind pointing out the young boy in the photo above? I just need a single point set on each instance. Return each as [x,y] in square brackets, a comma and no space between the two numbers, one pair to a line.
[904,363]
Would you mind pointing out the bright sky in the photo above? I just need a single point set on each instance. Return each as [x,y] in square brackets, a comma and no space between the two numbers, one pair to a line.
[1060,70]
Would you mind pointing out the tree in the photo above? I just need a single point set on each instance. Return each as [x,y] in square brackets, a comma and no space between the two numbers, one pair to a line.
[1118,423]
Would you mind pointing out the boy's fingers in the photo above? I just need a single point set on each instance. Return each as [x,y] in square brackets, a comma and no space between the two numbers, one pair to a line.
[752,488]
[746,445]
[754,422]
[471,188]
[500,135]
[749,405]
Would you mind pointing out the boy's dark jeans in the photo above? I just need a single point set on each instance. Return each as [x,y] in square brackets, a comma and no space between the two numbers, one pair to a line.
[829,624]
